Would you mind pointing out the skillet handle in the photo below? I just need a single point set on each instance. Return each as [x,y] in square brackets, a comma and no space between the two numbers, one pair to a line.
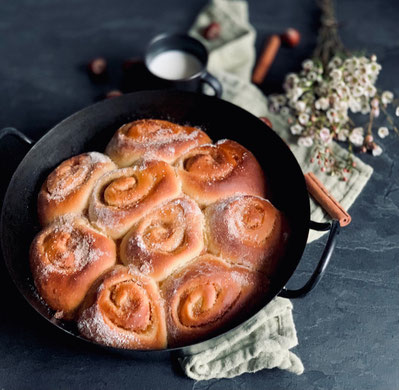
[16,133]
[334,228]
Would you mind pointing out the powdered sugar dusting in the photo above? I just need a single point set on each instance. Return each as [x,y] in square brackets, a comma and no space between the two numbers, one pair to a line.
[176,227]
[234,222]
[219,216]
[240,277]
[163,143]
[93,326]
[160,138]
[233,219]
[187,205]
[59,315]
[102,215]
[72,174]
[98,158]
[80,245]
[205,270]
[222,141]
[165,239]
[106,217]
[142,164]
[66,184]
[146,267]
[138,240]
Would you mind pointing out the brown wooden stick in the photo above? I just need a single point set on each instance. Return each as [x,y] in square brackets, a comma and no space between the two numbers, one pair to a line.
[325,200]
[266,59]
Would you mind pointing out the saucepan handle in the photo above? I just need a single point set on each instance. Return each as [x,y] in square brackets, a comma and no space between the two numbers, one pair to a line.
[213,82]
[16,133]
[334,228]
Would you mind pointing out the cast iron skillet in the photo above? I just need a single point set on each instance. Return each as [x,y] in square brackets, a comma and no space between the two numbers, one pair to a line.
[91,129]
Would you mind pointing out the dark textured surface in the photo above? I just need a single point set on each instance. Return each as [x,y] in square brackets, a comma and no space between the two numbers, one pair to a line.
[347,328]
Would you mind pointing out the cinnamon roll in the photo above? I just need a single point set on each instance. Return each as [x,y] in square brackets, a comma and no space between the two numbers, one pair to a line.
[121,197]
[154,139]
[247,230]
[211,172]
[67,188]
[165,238]
[124,310]
[206,296]
[66,258]
[197,239]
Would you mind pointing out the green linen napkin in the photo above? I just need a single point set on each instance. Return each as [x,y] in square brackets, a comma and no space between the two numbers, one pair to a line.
[263,342]
[267,339]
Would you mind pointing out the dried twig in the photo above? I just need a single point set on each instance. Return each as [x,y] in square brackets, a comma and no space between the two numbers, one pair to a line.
[329,42]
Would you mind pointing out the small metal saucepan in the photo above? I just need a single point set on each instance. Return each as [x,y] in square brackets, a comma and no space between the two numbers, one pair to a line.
[92,128]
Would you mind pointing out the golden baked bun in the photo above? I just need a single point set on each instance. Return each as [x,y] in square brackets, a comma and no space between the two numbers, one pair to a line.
[204,297]
[210,172]
[124,310]
[68,187]
[121,197]
[165,238]
[66,257]
[247,230]
[153,139]
[166,241]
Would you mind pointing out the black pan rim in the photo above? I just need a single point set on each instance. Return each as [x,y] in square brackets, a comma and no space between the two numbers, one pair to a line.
[201,345]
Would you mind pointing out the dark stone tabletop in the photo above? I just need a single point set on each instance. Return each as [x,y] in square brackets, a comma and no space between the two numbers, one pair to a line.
[348,328]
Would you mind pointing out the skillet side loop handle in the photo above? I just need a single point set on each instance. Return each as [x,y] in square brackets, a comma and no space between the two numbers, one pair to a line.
[318,273]
[16,133]
[213,82]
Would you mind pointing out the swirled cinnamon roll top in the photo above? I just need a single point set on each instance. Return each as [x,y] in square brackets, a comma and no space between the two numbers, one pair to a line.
[153,139]
[124,310]
[247,230]
[196,236]
[66,258]
[206,296]
[210,172]
[165,238]
[68,187]
[121,197]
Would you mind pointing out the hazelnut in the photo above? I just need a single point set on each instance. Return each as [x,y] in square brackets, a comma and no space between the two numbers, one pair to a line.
[291,37]
[212,31]
[97,66]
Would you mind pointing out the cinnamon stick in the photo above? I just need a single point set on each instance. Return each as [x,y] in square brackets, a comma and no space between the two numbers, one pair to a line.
[325,200]
[266,58]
